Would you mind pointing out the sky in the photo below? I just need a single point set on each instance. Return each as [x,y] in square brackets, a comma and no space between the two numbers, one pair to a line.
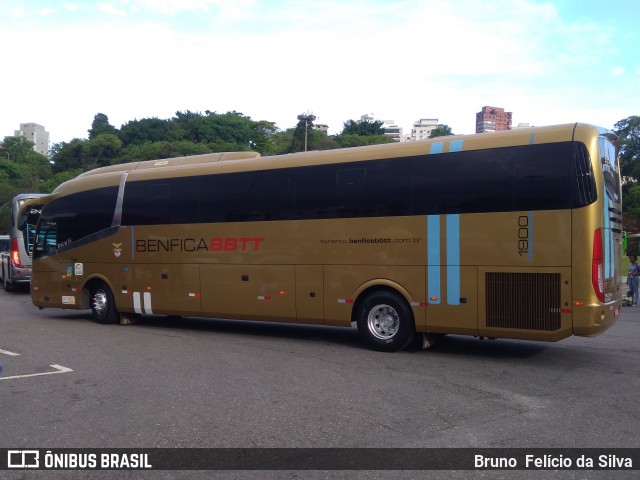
[548,62]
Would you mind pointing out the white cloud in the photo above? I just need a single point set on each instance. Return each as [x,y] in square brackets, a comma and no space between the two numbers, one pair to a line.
[171,7]
[110,9]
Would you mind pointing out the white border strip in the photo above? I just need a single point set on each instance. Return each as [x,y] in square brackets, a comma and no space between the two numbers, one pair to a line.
[59,369]
[7,352]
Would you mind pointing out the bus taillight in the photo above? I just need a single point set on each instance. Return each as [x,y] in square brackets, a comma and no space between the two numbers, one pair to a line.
[597,265]
[15,254]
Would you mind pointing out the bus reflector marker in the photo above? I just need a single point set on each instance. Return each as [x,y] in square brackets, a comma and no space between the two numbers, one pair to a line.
[194,294]
[577,303]
[264,297]
[345,300]
[565,310]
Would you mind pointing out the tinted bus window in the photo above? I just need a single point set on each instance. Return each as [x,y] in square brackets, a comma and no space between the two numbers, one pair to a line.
[531,177]
[81,214]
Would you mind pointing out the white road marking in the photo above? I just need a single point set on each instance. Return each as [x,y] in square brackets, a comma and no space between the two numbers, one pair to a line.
[59,369]
[7,352]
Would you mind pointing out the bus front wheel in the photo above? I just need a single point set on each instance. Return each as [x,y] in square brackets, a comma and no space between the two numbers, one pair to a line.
[385,321]
[103,306]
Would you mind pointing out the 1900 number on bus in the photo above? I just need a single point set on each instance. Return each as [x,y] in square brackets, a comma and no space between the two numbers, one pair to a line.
[523,235]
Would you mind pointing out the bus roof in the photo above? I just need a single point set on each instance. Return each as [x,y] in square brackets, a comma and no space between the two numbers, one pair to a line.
[173,162]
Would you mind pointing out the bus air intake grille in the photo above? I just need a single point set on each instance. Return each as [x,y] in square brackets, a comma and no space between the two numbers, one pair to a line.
[529,301]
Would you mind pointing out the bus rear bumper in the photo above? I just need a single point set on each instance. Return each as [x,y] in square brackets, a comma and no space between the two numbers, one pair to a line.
[592,320]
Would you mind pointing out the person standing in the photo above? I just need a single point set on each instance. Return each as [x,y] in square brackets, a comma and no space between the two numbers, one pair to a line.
[634,278]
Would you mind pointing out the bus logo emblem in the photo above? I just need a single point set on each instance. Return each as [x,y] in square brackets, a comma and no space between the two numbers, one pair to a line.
[117,251]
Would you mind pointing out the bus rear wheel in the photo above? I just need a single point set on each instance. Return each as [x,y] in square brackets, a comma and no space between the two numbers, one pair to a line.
[103,306]
[385,321]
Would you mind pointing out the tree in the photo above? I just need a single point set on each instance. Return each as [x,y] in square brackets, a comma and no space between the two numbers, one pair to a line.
[300,139]
[103,150]
[631,208]
[101,126]
[21,168]
[156,150]
[149,130]
[69,156]
[262,135]
[441,131]
[364,128]
[628,130]
[50,185]
[353,140]
[16,149]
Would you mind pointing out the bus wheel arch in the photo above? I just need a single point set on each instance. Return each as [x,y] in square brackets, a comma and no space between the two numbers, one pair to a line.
[101,300]
[384,319]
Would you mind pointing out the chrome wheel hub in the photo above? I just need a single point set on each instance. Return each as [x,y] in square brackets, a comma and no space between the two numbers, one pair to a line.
[383,321]
[100,302]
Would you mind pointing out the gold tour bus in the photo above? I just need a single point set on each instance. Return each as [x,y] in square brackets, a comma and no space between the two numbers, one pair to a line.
[511,234]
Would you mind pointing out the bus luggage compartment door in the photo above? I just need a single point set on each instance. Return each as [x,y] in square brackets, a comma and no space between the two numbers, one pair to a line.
[166,289]
[249,292]
[46,282]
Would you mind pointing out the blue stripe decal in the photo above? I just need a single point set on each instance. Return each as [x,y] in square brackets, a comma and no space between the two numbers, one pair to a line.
[436,147]
[531,138]
[455,146]
[433,258]
[133,242]
[531,235]
[453,259]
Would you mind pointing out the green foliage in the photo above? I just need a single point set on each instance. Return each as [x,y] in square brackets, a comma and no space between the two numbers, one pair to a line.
[104,149]
[631,209]
[300,139]
[628,130]
[441,131]
[280,142]
[163,149]
[69,156]
[101,126]
[149,130]
[345,141]
[16,149]
[21,168]
[364,128]
[58,179]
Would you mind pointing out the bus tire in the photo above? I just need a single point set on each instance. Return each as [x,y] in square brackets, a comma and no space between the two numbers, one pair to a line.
[103,306]
[385,321]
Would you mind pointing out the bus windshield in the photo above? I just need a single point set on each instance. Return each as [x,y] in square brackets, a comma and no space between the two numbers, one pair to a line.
[27,225]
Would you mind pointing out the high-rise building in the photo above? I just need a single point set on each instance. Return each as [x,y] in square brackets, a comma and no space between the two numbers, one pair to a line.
[422,128]
[394,131]
[493,119]
[37,134]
